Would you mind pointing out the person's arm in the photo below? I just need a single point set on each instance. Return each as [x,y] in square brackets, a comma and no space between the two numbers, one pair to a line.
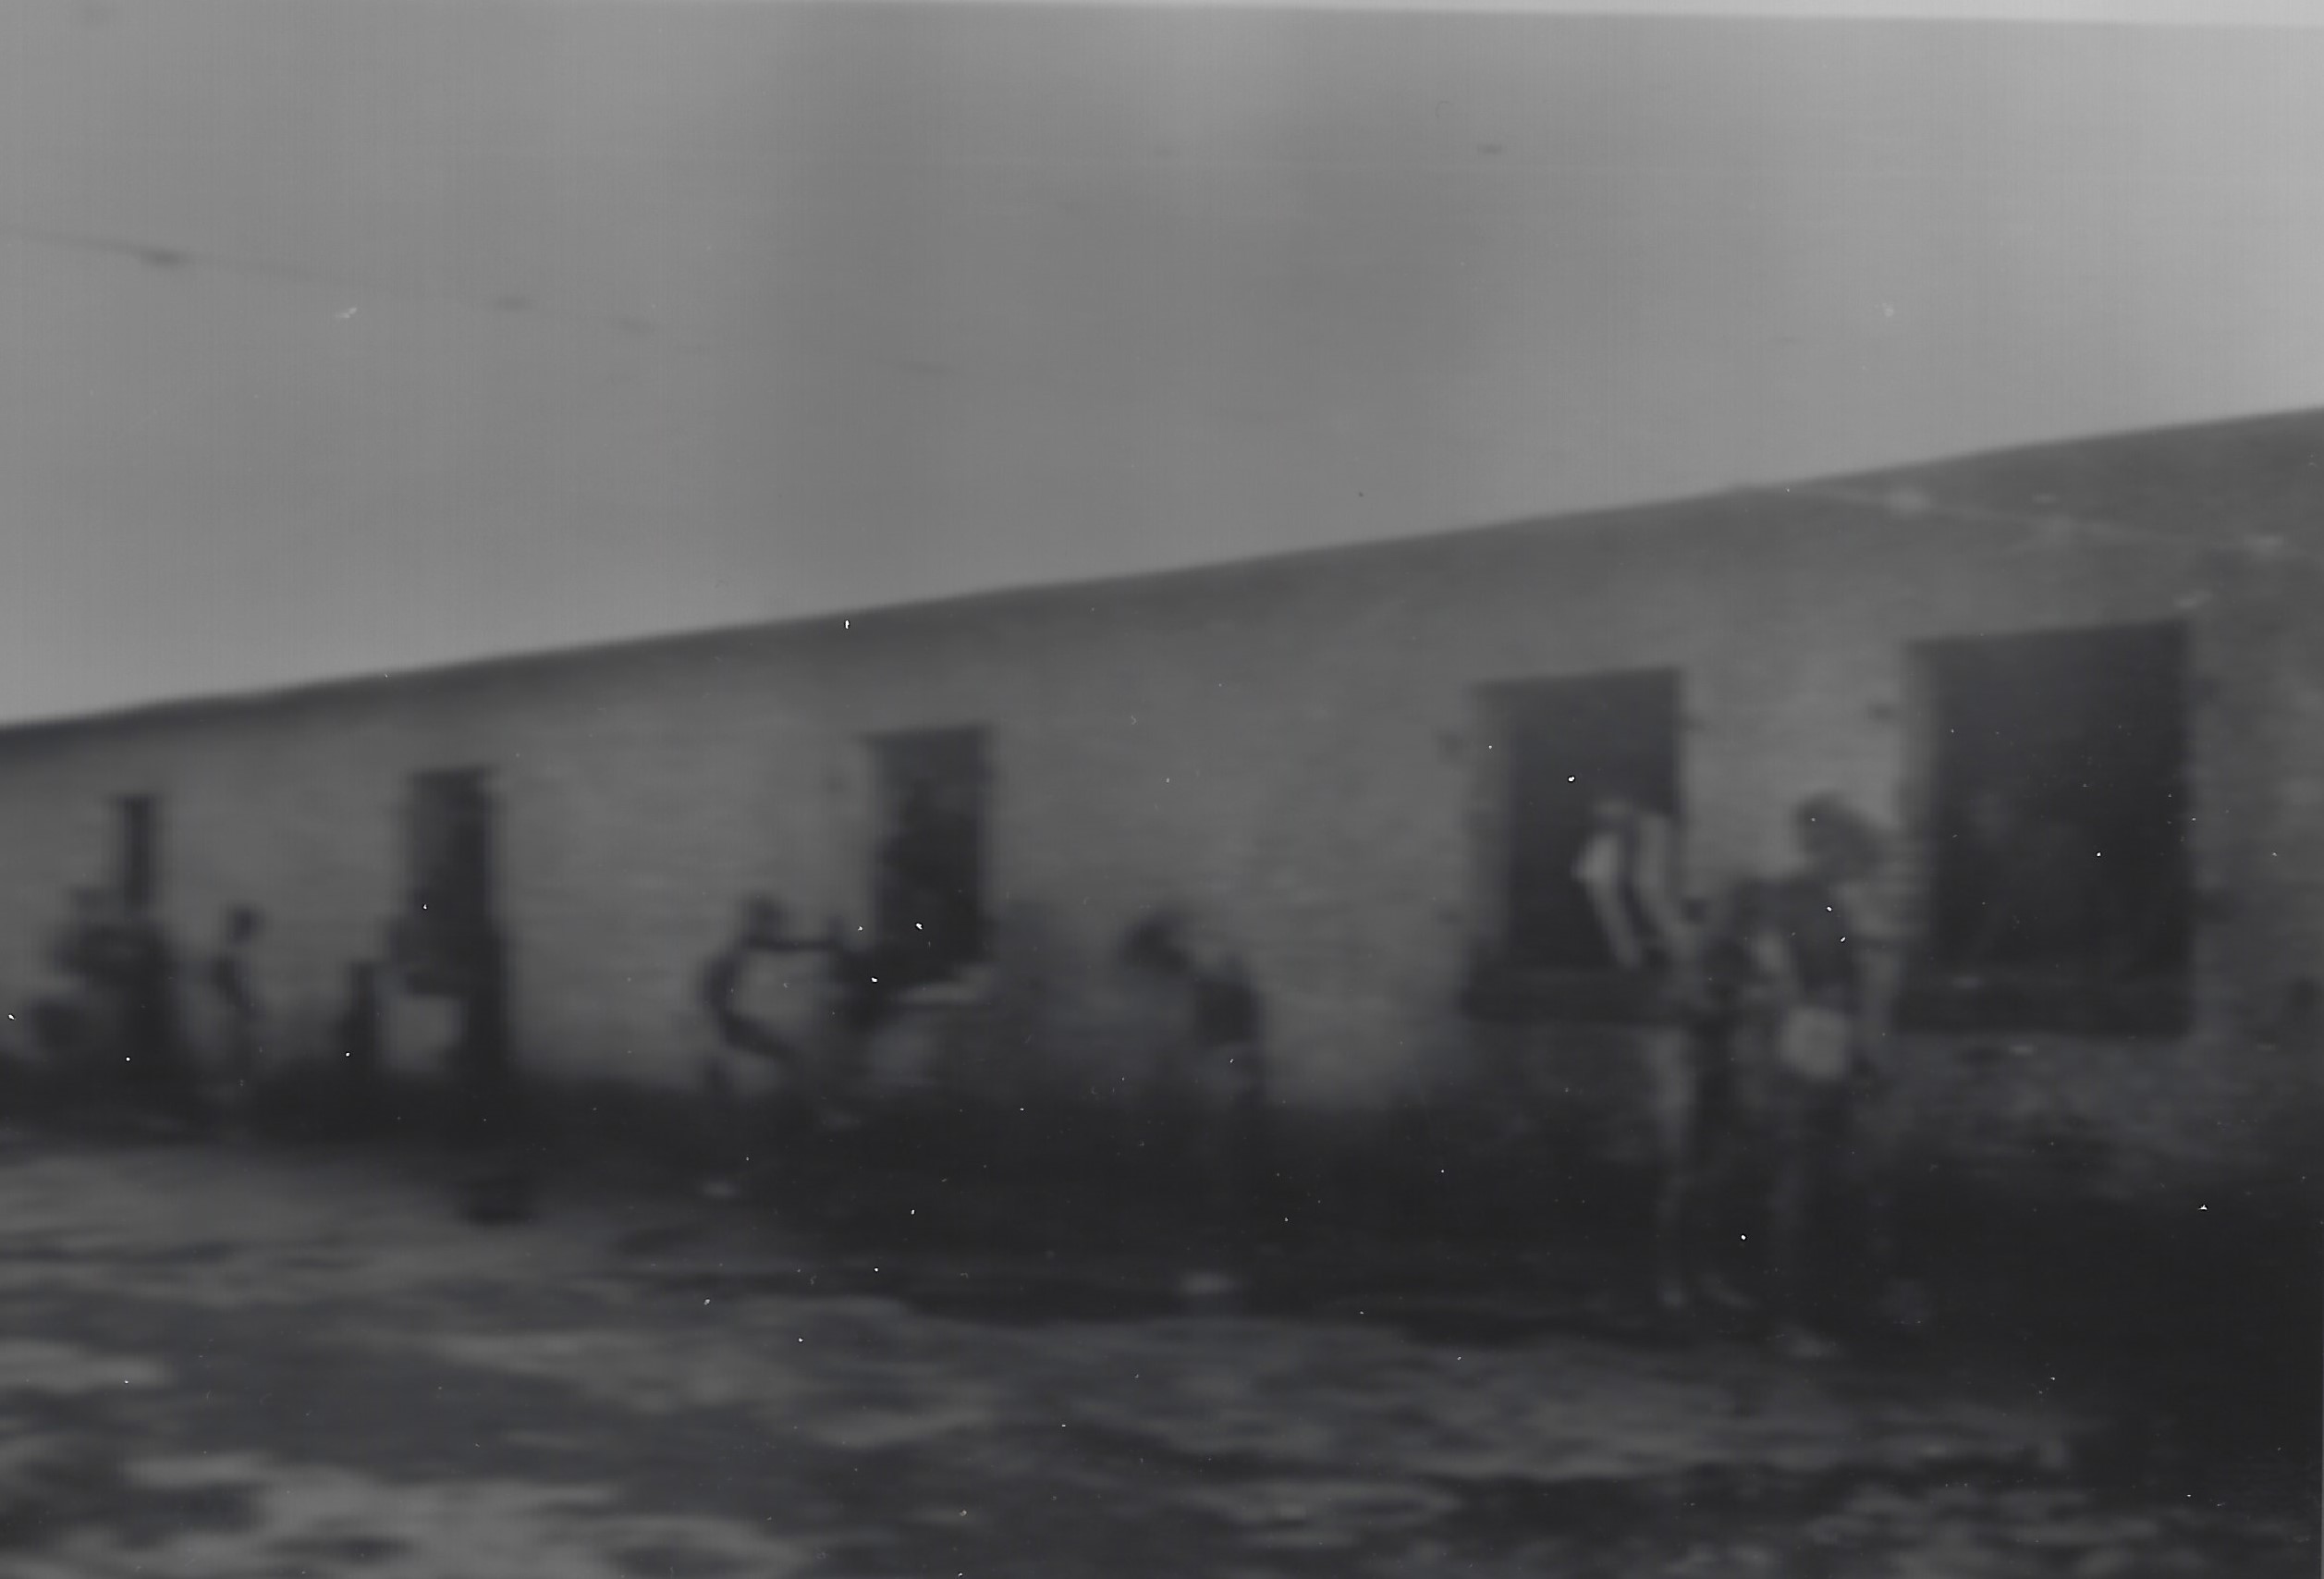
[1599,872]
[1657,885]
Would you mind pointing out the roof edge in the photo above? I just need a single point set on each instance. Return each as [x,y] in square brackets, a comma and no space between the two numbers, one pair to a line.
[516,664]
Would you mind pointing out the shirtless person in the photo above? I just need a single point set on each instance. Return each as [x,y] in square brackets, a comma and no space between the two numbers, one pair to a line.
[1628,867]
[1832,968]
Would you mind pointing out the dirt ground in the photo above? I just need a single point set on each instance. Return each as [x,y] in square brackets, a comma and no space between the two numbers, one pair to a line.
[250,1363]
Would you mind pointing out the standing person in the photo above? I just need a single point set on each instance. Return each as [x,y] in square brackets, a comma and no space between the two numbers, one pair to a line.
[1628,867]
[1719,1004]
[729,997]
[730,990]
[1854,852]
[1214,1091]
[236,999]
[1829,984]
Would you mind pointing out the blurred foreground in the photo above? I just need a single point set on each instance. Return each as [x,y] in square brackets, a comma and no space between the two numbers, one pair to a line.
[241,1363]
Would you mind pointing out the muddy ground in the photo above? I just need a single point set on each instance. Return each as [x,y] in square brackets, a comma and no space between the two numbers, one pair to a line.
[250,1361]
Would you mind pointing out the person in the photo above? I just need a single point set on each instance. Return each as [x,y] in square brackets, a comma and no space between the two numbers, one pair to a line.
[1703,1138]
[809,1098]
[1628,868]
[1855,852]
[729,981]
[236,1001]
[870,981]
[1830,989]
[82,1027]
[1215,1099]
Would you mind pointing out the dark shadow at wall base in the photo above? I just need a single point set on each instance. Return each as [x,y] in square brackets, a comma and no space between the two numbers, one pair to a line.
[2209,1309]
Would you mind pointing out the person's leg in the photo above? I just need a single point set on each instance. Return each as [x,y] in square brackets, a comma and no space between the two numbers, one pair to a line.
[775,1143]
[1675,1110]
[1866,1171]
[1869,1149]
[1787,1201]
[1716,1167]
[1803,1167]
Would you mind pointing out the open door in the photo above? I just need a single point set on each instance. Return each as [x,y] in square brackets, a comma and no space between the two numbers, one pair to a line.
[448,920]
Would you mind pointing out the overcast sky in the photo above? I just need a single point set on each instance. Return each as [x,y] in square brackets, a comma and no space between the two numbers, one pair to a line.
[341,336]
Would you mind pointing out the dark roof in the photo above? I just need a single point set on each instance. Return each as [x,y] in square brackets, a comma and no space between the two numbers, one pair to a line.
[2263,476]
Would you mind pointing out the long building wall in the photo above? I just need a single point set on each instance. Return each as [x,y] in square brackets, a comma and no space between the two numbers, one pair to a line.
[1297,751]
[1293,748]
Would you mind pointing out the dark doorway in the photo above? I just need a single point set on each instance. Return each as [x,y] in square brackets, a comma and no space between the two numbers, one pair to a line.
[449,919]
[928,880]
[137,855]
[1559,746]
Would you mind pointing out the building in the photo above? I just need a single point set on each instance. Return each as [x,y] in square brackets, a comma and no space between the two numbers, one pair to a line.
[1369,764]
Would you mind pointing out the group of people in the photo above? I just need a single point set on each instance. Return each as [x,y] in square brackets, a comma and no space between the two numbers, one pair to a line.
[122,1023]
[1769,1006]
[802,1007]
[1769,1009]
[120,1018]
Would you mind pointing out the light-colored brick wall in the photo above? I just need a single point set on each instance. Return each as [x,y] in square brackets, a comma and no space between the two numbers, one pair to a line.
[639,797]
[1291,747]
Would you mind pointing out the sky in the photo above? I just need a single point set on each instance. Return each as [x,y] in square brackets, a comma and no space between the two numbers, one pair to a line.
[341,336]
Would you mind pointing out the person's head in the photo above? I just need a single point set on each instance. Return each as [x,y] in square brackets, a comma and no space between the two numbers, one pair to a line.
[242,924]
